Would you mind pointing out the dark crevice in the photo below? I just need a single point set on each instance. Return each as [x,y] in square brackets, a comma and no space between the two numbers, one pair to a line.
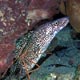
[59,48]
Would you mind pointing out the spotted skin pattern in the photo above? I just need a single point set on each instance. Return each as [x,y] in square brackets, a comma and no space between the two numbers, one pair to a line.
[37,41]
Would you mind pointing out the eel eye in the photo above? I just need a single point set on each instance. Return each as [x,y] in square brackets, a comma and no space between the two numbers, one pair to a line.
[56,23]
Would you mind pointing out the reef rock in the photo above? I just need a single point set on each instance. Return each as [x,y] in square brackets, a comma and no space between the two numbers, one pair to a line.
[6,57]
[16,18]
[44,9]
[72,9]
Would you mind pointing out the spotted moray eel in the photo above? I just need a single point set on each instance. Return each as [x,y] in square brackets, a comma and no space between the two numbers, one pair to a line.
[37,41]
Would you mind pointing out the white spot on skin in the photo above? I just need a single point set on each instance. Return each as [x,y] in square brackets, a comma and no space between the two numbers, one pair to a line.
[48,30]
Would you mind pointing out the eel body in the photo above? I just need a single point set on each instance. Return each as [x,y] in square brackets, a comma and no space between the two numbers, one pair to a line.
[37,41]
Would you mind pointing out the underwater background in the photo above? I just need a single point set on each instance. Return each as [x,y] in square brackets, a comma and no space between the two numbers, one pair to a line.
[61,60]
